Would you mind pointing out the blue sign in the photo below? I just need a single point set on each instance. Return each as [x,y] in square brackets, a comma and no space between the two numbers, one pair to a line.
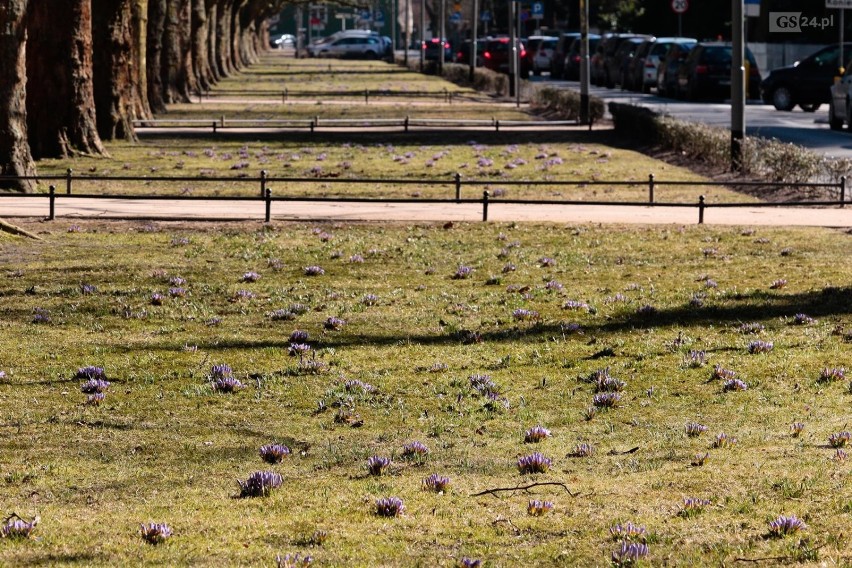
[486,16]
[537,9]
[455,18]
[366,16]
[380,16]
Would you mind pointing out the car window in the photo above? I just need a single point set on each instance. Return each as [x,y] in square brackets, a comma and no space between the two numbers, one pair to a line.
[826,57]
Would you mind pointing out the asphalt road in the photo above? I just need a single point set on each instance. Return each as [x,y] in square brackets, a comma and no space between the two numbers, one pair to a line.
[805,129]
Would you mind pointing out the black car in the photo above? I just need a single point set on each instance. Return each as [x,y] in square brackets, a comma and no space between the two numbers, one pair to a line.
[617,64]
[706,73]
[632,76]
[432,50]
[606,71]
[557,62]
[462,56]
[670,67]
[806,83]
[572,59]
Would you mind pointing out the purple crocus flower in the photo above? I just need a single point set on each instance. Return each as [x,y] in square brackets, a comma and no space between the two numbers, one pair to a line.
[724,441]
[582,450]
[785,525]
[694,429]
[376,465]
[751,327]
[797,428]
[260,484]
[696,358]
[416,450]
[839,439]
[334,324]
[90,372]
[314,271]
[157,299]
[370,300]
[389,507]
[95,399]
[483,384]
[629,553]
[227,385]
[575,305]
[553,285]
[463,272]
[298,349]
[93,386]
[803,319]
[833,374]
[274,453]
[356,259]
[356,385]
[522,314]
[87,289]
[760,347]
[299,336]
[251,277]
[721,373]
[734,385]
[538,508]
[470,563]
[536,434]
[176,292]
[436,483]
[606,399]
[628,532]
[41,315]
[778,284]
[546,261]
[177,281]
[17,528]
[155,533]
[293,561]
[534,463]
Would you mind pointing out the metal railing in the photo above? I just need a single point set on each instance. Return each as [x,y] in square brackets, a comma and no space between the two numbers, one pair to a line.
[456,184]
[286,95]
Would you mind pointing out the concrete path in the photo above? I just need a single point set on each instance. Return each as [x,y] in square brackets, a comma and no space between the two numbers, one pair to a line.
[200,209]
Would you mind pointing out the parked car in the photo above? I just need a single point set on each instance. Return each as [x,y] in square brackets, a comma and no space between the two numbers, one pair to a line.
[282,41]
[497,53]
[541,50]
[462,55]
[706,73]
[351,44]
[616,65]
[557,60]
[806,83]
[432,49]
[631,65]
[670,67]
[643,67]
[606,72]
[572,58]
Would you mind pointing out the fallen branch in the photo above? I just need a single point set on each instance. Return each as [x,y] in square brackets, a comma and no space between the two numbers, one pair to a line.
[767,559]
[524,488]
[13,230]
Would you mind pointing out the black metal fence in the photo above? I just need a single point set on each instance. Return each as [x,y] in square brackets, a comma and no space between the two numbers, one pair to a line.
[455,187]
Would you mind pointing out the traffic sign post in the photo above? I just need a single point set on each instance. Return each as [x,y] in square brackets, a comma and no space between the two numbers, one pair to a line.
[537,15]
[680,7]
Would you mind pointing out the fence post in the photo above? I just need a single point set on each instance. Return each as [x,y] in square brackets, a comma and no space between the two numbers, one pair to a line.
[223,121]
[447,96]
[263,174]
[701,210]
[366,96]
[497,125]
[406,123]
[458,187]
[214,127]
[68,173]
[52,214]
[484,205]
[842,190]
[651,189]
[268,196]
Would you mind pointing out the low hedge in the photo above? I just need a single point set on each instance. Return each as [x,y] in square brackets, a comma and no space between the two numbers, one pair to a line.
[767,159]
[565,103]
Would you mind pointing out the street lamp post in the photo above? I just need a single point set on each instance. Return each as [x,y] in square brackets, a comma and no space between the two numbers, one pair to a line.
[738,95]
[585,109]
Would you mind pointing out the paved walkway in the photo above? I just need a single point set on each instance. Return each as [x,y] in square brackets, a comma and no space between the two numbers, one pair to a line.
[200,209]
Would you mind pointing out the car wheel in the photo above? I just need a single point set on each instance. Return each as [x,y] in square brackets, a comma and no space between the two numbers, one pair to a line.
[782,99]
[370,55]
[809,107]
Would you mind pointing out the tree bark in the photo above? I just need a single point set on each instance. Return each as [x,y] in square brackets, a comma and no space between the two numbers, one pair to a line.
[212,40]
[173,63]
[60,101]
[15,156]
[141,107]
[236,35]
[154,55]
[114,69]
[224,44]
[200,50]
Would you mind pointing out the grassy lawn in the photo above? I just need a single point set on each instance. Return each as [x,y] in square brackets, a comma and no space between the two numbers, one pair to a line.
[542,309]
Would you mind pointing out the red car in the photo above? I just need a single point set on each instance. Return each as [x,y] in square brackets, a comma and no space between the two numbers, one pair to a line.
[496,56]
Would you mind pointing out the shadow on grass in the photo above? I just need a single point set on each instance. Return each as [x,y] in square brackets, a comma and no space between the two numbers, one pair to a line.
[322,70]
[61,559]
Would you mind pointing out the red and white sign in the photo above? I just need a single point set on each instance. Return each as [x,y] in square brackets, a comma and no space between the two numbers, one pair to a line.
[680,6]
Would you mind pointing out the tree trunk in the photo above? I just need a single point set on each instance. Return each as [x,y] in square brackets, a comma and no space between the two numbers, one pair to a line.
[154,55]
[200,50]
[141,108]
[236,34]
[60,100]
[15,157]
[223,34]
[112,28]
[173,65]
[212,40]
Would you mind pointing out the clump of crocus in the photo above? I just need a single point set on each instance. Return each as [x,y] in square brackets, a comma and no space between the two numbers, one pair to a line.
[177,292]
[87,289]
[734,385]
[298,309]
[438,367]
[95,399]
[243,295]
[721,373]
[157,299]
[483,384]
[797,428]
[389,507]
[803,319]
[293,560]
[415,451]
[724,441]
[370,300]
[582,450]
[358,386]
[629,553]
[177,281]
[470,563]
[839,439]
[536,434]
[222,379]
[575,305]
[553,285]
[377,465]
[298,349]
[463,272]
[274,453]
[314,271]
[760,347]
[590,413]
[260,484]
[840,455]
[534,463]
[607,383]
[647,311]
[356,259]
[546,262]
[522,314]
[334,324]
[606,399]
[785,525]
[155,533]
[692,506]
[538,508]
[700,459]
[751,327]
[251,276]
[41,315]
[90,372]
[312,366]
[299,336]
[95,385]
[17,528]
[436,483]
[694,429]
[829,375]
[778,284]
[628,532]
[695,358]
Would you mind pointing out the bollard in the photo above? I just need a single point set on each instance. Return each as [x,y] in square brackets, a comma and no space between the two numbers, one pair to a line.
[263,175]
[485,206]
[458,187]
[284,96]
[651,189]
[214,127]
[842,190]
[268,196]
[68,173]
[366,96]
[52,214]
[406,124]
[496,126]
[701,210]
[222,119]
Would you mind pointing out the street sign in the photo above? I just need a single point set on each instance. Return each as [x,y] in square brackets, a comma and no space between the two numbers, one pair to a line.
[485,16]
[379,17]
[680,6]
[838,4]
[455,18]
[538,10]
[752,8]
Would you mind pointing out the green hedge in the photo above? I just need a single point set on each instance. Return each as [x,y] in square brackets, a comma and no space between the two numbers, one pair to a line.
[565,103]
[767,159]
